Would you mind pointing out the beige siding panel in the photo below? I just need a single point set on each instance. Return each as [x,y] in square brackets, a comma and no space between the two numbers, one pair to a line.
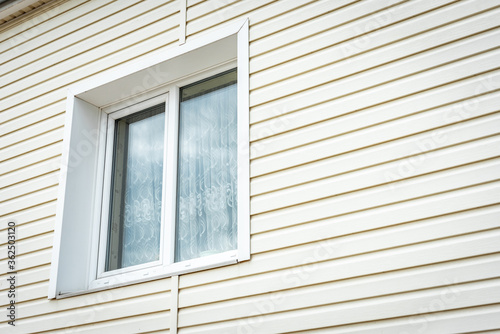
[308,28]
[381,195]
[33,118]
[147,323]
[375,159]
[27,246]
[374,176]
[35,24]
[333,146]
[455,321]
[313,263]
[448,274]
[95,45]
[106,60]
[380,75]
[350,32]
[27,277]
[406,304]
[31,260]
[32,144]
[27,230]
[33,214]
[345,265]
[97,313]
[30,186]
[32,131]
[378,94]
[28,159]
[417,145]
[35,170]
[96,14]
[388,41]
[342,121]
[98,299]
[394,214]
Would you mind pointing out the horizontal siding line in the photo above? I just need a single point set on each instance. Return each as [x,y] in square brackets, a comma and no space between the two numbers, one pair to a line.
[355,255]
[399,158]
[31,27]
[456,317]
[39,41]
[41,283]
[376,123]
[38,182]
[35,252]
[304,22]
[51,165]
[47,208]
[345,36]
[366,146]
[21,122]
[49,184]
[379,84]
[19,163]
[52,136]
[374,155]
[309,29]
[157,319]
[93,298]
[55,58]
[100,13]
[405,296]
[28,18]
[468,201]
[44,193]
[388,307]
[389,183]
[408,190]
[17,115]
[129,297]
[286,20]
[31,133]
[364,53]
[295,5]
[460,69]
[349,285]
[396,99]
[205,8]
[55,320]
[32,260]
[301,210]
[225,17]
[26,88]
[298,121]
[34,239]
[69,77]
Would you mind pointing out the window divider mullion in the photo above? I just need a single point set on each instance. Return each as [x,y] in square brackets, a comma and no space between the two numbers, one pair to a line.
[172,107]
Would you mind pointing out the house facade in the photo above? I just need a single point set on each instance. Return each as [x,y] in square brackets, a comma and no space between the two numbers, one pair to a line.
[296,166]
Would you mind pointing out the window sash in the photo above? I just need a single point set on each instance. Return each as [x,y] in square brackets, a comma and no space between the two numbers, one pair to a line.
[166,265]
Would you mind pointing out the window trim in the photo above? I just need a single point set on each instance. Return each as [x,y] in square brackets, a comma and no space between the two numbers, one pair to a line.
[80,98]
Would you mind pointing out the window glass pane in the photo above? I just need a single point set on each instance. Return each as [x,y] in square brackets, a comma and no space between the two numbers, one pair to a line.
[207,168]
[135,220]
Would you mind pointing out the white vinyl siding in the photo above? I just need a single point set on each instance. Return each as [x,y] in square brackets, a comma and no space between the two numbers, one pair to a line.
[375,164]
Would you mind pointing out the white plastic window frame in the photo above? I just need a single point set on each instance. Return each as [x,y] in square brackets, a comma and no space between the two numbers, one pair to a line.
[76,267]
[165,265]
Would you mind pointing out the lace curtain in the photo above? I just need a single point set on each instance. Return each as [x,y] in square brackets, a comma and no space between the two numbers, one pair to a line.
[207,171]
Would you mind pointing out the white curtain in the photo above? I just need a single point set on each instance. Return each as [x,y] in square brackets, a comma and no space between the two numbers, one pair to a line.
[207,171]
[143,191]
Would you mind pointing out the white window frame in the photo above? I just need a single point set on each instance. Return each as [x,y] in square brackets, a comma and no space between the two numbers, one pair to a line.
[89,96]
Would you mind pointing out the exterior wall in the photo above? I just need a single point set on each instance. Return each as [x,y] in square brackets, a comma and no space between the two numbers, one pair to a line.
[374,165]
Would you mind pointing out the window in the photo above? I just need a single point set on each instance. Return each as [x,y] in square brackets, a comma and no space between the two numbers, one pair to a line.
[163,187]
